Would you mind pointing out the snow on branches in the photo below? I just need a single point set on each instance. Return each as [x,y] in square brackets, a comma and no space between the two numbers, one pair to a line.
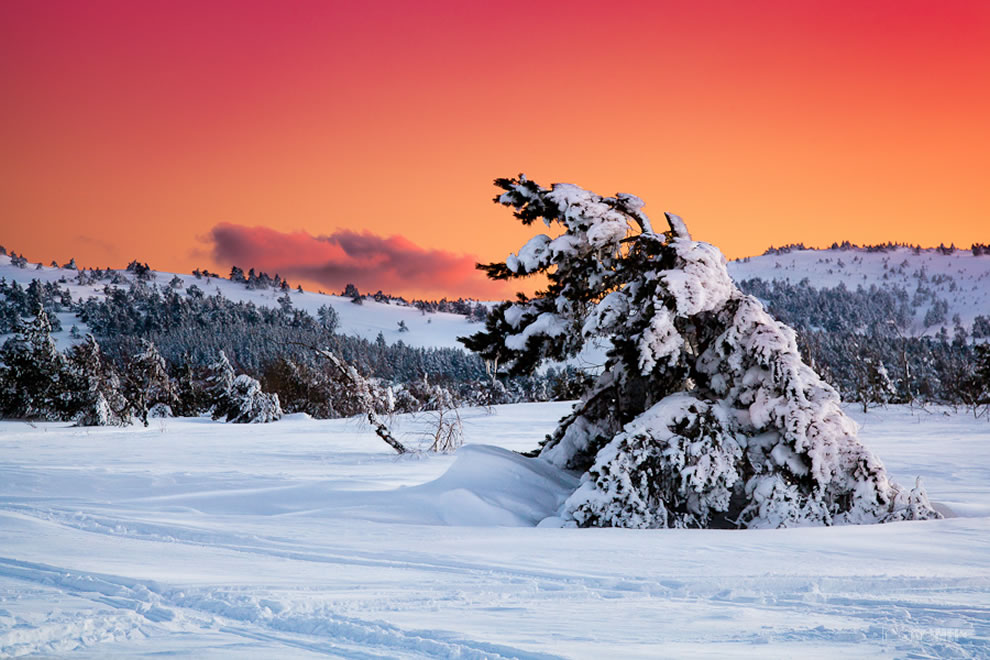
[248,404]
[704,415]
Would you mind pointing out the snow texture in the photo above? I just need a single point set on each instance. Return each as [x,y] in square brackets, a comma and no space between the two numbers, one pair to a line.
[310,538]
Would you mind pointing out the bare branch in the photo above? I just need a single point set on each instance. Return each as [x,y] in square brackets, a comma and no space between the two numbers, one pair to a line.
[352,377]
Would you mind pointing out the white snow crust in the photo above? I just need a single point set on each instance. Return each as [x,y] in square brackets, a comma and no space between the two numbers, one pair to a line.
[310,538]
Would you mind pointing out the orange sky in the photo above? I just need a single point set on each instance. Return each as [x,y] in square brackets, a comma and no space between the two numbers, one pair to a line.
[136,129]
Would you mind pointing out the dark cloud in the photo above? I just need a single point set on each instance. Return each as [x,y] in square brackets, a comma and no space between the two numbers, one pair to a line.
[393,264]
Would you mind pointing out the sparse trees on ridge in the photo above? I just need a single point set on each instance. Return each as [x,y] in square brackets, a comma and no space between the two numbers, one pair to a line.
[839,330]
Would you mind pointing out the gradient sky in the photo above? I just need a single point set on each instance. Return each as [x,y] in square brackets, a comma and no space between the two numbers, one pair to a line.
[283,134]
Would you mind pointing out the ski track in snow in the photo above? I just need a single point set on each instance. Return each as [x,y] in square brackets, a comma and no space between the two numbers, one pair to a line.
[908,618]
[321,632]
[124,553]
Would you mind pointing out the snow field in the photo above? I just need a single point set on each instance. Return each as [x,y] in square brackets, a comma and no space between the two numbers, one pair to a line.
[311,538]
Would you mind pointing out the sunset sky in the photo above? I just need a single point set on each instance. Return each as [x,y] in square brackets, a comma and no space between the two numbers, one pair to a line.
[357,141]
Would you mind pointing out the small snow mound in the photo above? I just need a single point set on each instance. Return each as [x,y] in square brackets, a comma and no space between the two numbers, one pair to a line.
[491,486]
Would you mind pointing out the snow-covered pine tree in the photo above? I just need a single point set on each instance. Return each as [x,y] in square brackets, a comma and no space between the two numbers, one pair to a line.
[328,318]
[33,372]
[247,404]
[873,383]
[977,384]
[705,414]
[219,382]
[99,401]
[148,383]
[189,390]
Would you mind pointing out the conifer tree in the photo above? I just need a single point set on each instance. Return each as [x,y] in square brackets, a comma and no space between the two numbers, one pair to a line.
[96,387]
[977,384]
[328,318]
[189,389]
[33,381]
[219,382]
[705,414]
[248,404]
[148,382]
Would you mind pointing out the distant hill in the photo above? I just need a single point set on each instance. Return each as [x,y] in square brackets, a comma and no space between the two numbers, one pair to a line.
[200,343]
[950,283]
[367,320]
[891,324]
[939,283]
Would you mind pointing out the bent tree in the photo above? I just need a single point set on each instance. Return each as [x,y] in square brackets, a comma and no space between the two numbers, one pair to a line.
[704,415]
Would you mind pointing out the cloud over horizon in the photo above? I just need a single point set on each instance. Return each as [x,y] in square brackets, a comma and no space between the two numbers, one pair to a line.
[393,264]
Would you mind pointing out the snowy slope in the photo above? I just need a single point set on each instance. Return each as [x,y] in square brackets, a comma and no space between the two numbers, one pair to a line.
[426,330]
[367,320]
[311,538]
[961,279]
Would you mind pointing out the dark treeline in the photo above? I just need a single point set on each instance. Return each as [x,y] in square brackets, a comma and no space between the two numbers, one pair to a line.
[860,342]
[890,369]
[978,249]
[472,309]
[17,301]
[196,340]
[862,311]
[261,280]
[195,328]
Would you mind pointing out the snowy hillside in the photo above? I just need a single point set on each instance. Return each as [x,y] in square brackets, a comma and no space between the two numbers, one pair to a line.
[961,278]
[367,320]
[305,538]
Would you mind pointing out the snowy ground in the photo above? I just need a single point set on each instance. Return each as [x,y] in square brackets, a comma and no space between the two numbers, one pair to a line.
[310,538]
